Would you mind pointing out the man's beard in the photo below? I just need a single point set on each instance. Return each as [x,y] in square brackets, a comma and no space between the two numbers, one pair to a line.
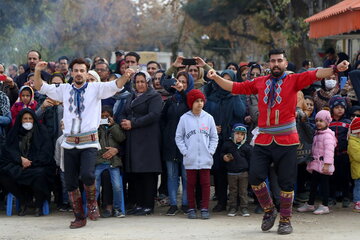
[277,74]
[79,81]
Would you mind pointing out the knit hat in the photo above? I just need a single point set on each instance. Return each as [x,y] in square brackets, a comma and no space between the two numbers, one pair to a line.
[324,115]
[95,75]
[337,100]
[355,125]
[239,127]
[193,95]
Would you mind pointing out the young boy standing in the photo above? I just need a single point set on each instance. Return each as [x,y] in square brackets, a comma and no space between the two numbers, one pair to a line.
[197,139]
[340,125]
[236,153]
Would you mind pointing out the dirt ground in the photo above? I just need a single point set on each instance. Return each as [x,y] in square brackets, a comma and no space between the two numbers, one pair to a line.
[339,224]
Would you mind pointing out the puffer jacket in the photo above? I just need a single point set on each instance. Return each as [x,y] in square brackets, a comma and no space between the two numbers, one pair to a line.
[323,151]
[354,155]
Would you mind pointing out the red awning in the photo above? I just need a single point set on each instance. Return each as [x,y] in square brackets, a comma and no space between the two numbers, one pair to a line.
[343,17]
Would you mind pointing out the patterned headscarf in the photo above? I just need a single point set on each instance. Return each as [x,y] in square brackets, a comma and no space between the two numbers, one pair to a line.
[4,104]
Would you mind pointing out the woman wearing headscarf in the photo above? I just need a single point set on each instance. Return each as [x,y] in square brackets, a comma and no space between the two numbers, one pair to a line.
[322,96]
[174,108]
[140,120]
[226,109]
[26,162]
[235,68]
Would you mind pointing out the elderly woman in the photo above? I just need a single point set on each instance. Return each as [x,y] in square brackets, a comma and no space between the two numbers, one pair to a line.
[140,119]
[26,164]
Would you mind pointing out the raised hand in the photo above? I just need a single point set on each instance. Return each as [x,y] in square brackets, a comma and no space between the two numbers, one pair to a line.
[343,66]
[41,66]
[178,62]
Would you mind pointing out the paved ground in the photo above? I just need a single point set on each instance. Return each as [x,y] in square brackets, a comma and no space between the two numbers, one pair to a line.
[339,224]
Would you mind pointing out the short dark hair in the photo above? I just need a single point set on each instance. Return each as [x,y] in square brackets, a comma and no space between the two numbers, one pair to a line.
[34,51]
[305,63]
[154,62]
[63,58]
[133,54]
[107,108]
[276,51]
[103,62]
[80,61]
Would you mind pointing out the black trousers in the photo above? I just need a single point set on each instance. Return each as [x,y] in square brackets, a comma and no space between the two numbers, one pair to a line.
[303,178]
[285,165]
[323,180]
[340,180]
[79,163]
[24,193]
[145,189]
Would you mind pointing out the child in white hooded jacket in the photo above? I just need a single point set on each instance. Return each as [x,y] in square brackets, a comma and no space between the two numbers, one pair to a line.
[197,139]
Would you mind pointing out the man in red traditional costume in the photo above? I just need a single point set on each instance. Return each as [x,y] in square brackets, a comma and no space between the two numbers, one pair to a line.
[278,138]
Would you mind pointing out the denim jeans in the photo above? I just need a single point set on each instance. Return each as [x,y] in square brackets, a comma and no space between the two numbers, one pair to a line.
[357,190]
[115,182]
[65,195]
[173,182]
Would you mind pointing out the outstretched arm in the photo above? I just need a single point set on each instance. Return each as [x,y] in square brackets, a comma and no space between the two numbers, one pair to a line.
[120,82]
[327,72]
[223,83]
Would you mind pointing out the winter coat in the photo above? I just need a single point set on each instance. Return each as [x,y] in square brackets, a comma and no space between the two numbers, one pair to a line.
[323,151]
[354,155]
[110,137]
[170,118]
[197,139]
[143,139]
[12,93]
[340,129]
[241,155]
[173,109]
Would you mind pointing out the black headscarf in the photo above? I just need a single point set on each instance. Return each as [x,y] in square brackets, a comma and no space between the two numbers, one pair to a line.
[17,131]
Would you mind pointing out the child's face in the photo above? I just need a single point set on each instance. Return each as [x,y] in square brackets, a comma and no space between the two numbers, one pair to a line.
[105,115]
[198,105]
[239,136]
[338,111]
[320,124]
[25,97]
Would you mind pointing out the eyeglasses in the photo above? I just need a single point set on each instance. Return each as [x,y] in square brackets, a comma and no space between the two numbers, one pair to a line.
[243,75]
[355,115]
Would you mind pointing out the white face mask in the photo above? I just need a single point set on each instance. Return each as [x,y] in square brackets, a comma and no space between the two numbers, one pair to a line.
[330,84]
[27,125]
